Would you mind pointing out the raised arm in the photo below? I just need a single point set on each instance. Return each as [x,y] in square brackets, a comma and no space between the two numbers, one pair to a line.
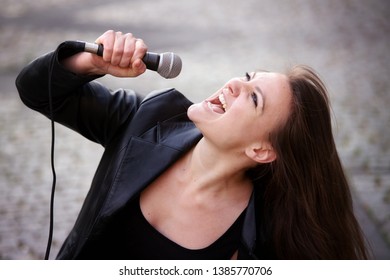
[78,102]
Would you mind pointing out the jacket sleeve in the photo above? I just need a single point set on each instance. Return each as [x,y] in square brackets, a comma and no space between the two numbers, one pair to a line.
[77,101]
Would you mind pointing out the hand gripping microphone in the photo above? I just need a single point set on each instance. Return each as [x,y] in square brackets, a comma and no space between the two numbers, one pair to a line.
[167,64]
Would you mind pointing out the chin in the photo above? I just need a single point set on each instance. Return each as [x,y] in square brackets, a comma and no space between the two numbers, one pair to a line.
[195,111]
[190,111]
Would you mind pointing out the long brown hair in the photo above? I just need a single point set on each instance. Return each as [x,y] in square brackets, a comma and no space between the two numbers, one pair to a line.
[307,200]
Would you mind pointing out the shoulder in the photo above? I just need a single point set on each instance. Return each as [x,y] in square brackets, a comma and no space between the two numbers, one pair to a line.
[167,95]
[158,107]
[158,93]
[166,100]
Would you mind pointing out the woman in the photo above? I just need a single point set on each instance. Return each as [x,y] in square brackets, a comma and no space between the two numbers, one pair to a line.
[251,172]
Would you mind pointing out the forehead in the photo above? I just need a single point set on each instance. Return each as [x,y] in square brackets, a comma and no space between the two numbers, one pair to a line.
[275,86]
[271,77]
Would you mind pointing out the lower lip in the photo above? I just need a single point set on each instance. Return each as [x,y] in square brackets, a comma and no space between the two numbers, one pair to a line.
[207,107]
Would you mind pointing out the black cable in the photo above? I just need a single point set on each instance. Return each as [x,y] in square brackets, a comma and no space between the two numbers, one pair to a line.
[50,238]
[75,45]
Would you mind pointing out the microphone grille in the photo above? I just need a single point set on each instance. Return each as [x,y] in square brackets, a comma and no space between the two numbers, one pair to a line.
[170,65]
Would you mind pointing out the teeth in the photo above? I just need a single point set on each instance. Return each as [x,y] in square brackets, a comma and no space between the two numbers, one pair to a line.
[209,104]
[221,98]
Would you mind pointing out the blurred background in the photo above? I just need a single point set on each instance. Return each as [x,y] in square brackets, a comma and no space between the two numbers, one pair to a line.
[347,42]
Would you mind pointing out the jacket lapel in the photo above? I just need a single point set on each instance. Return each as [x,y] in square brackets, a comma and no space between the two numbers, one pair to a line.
[146,157]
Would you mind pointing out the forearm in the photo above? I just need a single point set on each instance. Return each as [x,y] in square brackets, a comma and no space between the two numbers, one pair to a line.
[77,102]
[79,64]
[70,68]
[33,81]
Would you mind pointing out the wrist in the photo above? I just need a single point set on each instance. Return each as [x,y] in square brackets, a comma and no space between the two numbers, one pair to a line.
[80,64]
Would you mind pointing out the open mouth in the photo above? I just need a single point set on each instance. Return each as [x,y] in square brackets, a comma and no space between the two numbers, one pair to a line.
[218,104]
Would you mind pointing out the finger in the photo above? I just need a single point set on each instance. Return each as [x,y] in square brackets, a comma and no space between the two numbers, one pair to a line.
[128,50]
[140,50]
[101,39]
[107,40]
[118,48]
[138,67]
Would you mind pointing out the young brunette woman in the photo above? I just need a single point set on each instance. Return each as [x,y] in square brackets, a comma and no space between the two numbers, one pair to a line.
[251,172]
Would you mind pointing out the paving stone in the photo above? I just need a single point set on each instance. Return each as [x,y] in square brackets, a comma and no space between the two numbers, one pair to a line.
[346,41]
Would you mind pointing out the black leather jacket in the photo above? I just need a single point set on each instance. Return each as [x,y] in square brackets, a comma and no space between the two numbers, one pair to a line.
[141,137]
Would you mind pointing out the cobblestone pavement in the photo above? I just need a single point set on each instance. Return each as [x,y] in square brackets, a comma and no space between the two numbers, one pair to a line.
[346,41]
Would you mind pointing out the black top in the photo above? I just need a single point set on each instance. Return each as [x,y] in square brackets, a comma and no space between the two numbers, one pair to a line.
[132,237]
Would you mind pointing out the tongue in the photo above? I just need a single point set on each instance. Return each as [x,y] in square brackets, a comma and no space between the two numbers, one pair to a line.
[217,109]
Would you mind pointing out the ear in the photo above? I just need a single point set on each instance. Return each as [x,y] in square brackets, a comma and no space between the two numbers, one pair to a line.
[261,153]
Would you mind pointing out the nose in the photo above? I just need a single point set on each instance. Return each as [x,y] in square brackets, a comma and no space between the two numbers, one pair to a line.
[239,86]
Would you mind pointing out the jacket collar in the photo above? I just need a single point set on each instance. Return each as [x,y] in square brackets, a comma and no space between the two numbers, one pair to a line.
[146,157]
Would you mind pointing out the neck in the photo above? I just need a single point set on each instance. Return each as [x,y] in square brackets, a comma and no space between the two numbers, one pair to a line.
[209,168]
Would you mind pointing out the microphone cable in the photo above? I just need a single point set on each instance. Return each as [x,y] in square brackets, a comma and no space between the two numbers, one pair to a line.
[168,65]
[51,225]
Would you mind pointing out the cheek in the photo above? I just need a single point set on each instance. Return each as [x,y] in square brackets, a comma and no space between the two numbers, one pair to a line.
[242,127]
[252,128]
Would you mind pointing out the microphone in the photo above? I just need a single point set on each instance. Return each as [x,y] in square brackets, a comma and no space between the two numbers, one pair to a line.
[167,64]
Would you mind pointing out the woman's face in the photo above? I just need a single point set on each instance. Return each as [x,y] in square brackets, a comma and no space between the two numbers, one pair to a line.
[244,111]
